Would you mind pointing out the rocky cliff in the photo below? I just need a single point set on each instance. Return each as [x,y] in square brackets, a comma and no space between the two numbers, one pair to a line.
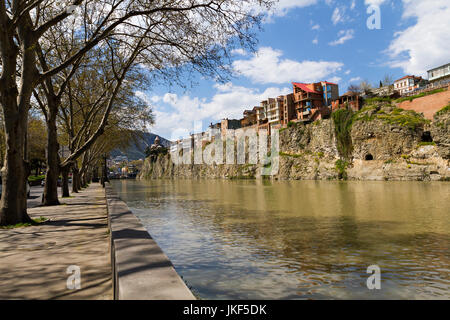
[381,142]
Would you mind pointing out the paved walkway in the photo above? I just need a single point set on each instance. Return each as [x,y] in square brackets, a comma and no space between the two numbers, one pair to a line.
[34,260]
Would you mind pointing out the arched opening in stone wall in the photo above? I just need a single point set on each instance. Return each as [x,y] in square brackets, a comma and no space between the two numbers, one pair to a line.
[426,136]
[368,157]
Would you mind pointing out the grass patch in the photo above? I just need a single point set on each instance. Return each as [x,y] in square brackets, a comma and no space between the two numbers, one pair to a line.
[36,178]
[35,222]
[418,163]
[284,154]
[404,118]
[377,99]
[341,168]
[443,110]
[408,118]
[420,95]
[422,144]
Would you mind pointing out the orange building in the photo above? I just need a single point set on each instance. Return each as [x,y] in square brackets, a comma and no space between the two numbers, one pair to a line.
[349,100]
[312,101]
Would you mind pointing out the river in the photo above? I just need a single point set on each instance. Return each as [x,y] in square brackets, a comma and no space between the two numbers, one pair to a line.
[299,239]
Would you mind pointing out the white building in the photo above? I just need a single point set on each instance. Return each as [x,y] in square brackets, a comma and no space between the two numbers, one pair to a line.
[439,73]
[407,84]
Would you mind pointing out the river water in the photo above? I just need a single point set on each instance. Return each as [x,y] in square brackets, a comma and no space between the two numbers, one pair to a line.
[302,239]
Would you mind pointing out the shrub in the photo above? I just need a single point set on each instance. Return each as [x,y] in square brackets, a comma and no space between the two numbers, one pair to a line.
[341,168]
[343,120]
[291,123]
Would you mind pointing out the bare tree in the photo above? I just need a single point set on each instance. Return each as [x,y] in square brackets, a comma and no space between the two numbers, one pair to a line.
[388,80]
[365,87]
[355,89]
[198,33]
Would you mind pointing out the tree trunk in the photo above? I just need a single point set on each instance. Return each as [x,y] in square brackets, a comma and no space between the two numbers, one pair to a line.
[15,95]
[75,184]
[14,174]
[78,181]
[65,181]
[51,178]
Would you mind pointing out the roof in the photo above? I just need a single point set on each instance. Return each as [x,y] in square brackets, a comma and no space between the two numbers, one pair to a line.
[333,84]
[304,87]
[443,66]
[408,77]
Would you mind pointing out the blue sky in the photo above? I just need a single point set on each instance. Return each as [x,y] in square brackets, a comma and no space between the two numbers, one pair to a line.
[308,41]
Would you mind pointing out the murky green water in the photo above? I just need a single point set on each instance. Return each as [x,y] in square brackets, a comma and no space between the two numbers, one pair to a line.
[300,240]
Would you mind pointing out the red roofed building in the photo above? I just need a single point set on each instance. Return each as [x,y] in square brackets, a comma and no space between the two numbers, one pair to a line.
[312,101]
[407,84]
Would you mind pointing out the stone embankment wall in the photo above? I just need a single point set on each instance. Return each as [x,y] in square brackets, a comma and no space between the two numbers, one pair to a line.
[141,270]
[382,143]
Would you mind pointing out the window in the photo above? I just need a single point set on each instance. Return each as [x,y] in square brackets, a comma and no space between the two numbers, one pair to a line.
[328,88]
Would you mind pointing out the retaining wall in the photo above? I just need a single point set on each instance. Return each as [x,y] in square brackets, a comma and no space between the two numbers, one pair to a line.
[141,270]
[427,105]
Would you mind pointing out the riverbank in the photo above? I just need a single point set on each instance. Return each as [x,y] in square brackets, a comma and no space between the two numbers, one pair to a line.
[34,261]
[379,143]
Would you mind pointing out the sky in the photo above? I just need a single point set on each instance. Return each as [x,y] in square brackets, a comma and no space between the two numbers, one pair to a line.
[309,41]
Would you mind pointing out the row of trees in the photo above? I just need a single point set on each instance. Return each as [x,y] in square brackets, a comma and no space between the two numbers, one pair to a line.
[80,61]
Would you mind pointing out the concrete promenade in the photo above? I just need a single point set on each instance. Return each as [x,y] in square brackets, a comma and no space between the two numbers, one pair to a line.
[34,260]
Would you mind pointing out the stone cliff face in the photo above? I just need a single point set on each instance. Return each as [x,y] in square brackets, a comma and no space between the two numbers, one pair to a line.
[440,130]
[381,143]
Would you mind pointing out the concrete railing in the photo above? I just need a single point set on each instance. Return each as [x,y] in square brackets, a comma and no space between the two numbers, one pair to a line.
[141,270]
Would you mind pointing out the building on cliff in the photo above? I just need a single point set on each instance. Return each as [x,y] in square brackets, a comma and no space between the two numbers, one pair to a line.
[229,124]
[407,84]
[249,118]
[313,101]
[349,100]
[439,74]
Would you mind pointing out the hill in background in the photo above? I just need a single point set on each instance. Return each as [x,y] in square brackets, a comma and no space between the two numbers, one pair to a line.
[136,149]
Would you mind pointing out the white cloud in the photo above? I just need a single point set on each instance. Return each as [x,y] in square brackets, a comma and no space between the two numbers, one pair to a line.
[315,41]
[315,27]
[353,5]
[267,66]
[283,6]
[344,36]
[181,112]
[355,79]
[338,15]
[426,44]
[239,51]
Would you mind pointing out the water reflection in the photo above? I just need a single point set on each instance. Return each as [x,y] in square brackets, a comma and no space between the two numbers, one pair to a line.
[297,240]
